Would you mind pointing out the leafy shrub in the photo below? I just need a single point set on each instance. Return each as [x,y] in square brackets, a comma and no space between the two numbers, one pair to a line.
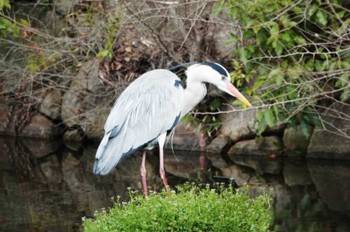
[190,209]
[7,27]
[295,54]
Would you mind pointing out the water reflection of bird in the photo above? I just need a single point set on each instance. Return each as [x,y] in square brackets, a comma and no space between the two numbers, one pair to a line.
[149,109]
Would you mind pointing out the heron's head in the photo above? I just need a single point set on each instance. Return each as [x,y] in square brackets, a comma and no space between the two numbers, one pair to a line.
[217,75]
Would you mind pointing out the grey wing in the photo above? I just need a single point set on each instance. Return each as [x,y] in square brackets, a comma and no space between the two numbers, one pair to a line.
[149,107]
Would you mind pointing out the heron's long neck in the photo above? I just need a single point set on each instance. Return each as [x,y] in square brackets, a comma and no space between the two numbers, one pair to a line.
[193,94]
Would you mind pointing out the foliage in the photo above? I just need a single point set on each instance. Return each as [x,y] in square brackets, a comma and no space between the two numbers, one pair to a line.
[111,27]
[6,25]
[295,54]
[192,208]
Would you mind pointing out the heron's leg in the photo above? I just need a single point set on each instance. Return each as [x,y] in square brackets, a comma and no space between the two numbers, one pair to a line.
[161,141]
[143,173]
[202,144]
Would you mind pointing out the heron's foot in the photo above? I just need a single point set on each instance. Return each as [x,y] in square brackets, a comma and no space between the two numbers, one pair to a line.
[165,181]
[144,185]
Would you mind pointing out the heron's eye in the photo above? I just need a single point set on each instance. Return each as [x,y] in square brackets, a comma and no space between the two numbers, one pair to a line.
[223,77]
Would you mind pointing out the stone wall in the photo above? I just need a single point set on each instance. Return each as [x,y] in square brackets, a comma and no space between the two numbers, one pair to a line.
[75,107]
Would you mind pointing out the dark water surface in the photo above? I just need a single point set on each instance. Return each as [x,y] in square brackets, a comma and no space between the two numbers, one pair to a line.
[49,186]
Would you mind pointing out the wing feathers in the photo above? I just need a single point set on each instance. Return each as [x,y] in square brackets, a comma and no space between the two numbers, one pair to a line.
[149,107]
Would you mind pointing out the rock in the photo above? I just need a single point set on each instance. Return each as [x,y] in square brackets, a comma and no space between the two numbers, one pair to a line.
[184,164]
[51,105]
[87,103]
[41,127]
[87,78]
[261,165]
[217,160]
[95,124]
[6,161]
[283,202]
[39,148]
[51,169]
[294,141]
[239,124]
[240,175]
[296,174]
[220,34]
[334,140]
[217,145]
[72,108]
[7,126]
[332,182]
[63,7]
[80,101]
[185,137]
[76,135]
[264,146]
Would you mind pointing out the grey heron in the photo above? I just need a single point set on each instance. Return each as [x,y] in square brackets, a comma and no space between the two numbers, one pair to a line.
[150,108]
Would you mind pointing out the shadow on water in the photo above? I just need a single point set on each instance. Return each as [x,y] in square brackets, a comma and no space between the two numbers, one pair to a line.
[49,186]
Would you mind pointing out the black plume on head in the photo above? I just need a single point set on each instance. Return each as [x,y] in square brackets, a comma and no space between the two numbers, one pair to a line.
[217,68]
[181,68]
[180,71]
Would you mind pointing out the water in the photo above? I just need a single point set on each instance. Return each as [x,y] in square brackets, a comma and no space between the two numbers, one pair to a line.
[50,187]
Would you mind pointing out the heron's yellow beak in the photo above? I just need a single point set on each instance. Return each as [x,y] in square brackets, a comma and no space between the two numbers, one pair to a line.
[234,92]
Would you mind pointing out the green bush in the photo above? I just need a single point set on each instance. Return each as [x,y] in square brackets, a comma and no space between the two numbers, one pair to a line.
[7,27]
[192,208]
[294,55]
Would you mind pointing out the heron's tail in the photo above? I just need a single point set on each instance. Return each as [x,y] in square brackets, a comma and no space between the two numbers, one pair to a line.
[107,155]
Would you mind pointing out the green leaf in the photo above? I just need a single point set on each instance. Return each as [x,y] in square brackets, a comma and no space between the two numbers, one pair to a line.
[277,72]
[274,29]
[269,117]
[321,17]
[316,121]
[291,93]
[218,7]
[232,40]
[345,95]
[309,66]
[5,4]
[248,34]
[297,10]
[276,110]
[319,65]
[278,48]
[258,83]
[285,64]
[262,126]
[305,128]
[261,36]
[103,53]
[286,36]
[341,13]
[215,104]
[243,54]
[24,22]
[311,11]
[343,80]
[299,40]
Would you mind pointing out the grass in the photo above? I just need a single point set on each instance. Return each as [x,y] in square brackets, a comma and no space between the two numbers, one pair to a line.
[190,208]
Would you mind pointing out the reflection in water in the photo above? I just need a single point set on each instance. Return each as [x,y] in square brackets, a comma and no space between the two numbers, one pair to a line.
[50,186]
